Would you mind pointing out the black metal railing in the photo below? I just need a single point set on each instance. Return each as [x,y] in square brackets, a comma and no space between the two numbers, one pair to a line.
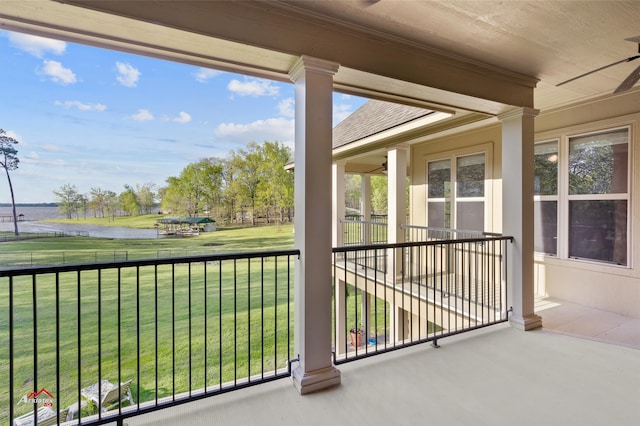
[358,232]
[168,330]
[427,291]
[27,259]
[431,233]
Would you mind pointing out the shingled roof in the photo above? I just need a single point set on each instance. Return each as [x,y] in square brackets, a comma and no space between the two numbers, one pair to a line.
[374,117]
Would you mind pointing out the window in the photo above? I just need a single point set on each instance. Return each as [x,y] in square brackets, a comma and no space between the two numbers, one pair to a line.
[545,203]
[463,208]
[439,198]
[595,196]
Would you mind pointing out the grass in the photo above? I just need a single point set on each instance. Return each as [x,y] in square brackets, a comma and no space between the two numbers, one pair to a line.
[145,221]
[44,251]
[189,326]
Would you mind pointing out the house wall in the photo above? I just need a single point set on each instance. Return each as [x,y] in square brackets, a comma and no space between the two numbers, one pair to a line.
[487,139]
[610,288]
[607,287]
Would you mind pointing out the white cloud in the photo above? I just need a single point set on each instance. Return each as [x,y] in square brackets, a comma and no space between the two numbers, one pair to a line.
[37,46]
[128,75]
[272,129]
[340,112]
[58,73]
[205,74]
[143,115]
[31,156]
[287,107]
[12,134]
[81,106]
[253,87]
[51,147]
[182,118]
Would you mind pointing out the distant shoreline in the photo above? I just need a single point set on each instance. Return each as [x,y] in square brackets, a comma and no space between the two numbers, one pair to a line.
[30,205]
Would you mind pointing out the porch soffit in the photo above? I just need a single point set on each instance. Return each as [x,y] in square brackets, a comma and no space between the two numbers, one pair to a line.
[364,153]
[266,38]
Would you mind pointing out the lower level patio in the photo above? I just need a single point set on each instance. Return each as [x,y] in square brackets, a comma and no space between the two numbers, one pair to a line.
[492,376]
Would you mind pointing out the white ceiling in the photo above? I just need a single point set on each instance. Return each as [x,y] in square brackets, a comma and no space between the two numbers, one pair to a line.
[549,40]
[478,55]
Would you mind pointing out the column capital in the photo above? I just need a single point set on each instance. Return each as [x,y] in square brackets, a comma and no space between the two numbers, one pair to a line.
[399,147]
[518,113]
[309,63]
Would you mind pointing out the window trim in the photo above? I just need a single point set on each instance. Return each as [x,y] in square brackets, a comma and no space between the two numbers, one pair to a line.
[555,198]
[563,196]
[487,150]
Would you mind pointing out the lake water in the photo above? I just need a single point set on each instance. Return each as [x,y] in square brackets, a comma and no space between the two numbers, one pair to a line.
[34,214]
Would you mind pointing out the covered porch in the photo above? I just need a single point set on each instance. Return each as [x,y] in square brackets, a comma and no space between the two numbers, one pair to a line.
[494,375]
[564,373]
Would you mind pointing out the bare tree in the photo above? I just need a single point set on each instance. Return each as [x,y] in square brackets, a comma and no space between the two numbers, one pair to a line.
[9,161]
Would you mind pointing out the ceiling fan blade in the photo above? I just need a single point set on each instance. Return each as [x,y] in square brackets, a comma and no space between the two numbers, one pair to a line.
[629,81]
[599,69]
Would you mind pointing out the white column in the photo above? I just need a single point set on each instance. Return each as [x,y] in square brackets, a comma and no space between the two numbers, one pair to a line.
[397,192]
[396,214]
[517,213]
[396,204]
[338,203]
[313,145]
[365,207]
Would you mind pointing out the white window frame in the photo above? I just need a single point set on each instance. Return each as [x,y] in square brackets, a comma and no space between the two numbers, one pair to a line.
[563,197]
[485,149]
[555,198]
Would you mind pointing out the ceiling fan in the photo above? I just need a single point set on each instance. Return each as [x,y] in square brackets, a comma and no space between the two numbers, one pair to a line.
[628,82]
[382,168]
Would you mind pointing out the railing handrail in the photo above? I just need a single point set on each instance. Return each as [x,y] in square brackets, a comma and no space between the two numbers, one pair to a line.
[452,230]
[383,246]
[369,222]
[50,269]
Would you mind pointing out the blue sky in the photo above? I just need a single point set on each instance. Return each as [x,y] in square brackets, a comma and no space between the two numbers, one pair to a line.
[99,118]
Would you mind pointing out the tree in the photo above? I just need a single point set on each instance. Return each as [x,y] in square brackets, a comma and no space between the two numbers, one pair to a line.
[128,201]
[276,185]
[9,161]
[97,201]
[352,191]
[379,197]
[249,177]
[146,197]
[111,204]
[67,199]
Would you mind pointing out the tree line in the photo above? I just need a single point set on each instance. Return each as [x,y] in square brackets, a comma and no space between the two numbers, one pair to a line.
[249,183]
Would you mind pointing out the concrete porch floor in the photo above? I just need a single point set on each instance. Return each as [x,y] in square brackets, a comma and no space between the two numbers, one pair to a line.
[563,374]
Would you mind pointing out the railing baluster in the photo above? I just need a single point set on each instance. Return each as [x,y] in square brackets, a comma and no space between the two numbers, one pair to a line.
[249,319]
[11,350]
[35,344]
[220,325]
[173,331]
[206,331]
[138,334]
[155,279]
[189,309]
[119,322]
[99,340]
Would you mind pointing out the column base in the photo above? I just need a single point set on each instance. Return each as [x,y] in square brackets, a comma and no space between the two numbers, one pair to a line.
[530,322]
[316,380]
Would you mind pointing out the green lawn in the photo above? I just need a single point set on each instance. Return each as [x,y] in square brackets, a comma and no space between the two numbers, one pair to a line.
[167,316]
[39,251]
